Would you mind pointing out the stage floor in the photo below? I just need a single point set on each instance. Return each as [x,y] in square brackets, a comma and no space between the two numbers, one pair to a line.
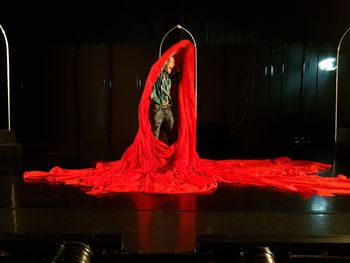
[170,223]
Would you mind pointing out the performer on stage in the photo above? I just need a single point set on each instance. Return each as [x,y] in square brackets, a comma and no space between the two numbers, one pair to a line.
[151,166]
[161,109]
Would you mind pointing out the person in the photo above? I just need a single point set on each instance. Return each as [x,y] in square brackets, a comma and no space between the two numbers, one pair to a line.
[162,116]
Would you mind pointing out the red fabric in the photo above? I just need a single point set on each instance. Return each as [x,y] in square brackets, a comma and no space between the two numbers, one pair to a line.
[151,166]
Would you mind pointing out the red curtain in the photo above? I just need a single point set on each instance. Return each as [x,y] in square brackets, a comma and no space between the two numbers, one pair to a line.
[151,166]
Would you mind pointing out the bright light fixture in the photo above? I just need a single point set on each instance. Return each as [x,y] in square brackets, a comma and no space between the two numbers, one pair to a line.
[327,64]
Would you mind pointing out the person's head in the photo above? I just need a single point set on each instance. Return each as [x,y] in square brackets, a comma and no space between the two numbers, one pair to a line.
[169,64]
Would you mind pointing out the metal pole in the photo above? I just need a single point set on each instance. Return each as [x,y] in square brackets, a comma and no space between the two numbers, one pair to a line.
[336,88]
[8,79]
[336,105]
[195,54]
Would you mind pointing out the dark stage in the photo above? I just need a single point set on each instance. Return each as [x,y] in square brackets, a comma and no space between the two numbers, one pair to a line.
[78,73]
[131,227]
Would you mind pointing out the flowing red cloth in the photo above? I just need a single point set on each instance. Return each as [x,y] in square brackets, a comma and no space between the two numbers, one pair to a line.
[151,166]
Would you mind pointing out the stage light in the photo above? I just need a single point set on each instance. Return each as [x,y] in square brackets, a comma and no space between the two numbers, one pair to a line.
[256,254]
[73,251]
[327,64]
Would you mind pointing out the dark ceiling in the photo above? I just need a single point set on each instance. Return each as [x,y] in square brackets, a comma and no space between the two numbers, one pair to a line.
[132,22]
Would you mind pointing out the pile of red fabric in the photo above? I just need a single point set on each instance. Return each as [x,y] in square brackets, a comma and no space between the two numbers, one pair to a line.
[151,166]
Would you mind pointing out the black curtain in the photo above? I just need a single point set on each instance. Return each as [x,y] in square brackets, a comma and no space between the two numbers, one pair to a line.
[248,94]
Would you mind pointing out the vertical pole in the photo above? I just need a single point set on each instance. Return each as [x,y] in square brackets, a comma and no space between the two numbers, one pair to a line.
[8,79]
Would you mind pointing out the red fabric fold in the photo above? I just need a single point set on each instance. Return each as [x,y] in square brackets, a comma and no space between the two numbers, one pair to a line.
[151,166]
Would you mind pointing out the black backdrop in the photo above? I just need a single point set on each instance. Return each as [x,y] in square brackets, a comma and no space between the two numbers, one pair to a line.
[77,73]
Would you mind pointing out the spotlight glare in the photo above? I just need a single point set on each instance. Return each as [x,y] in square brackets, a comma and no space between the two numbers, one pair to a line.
[327,64]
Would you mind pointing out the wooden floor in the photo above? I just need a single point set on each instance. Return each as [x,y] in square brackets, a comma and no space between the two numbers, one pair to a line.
[127,226]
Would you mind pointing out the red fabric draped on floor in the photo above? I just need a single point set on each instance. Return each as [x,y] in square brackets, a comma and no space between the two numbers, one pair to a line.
[151,166]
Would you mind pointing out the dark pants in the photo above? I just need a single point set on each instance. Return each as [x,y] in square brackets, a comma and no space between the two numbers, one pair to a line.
[162,117]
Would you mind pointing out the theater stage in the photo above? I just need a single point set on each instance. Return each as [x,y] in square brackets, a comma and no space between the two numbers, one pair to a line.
[37,217]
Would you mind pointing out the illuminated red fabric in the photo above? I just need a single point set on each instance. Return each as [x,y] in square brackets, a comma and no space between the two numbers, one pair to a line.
[151,166]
